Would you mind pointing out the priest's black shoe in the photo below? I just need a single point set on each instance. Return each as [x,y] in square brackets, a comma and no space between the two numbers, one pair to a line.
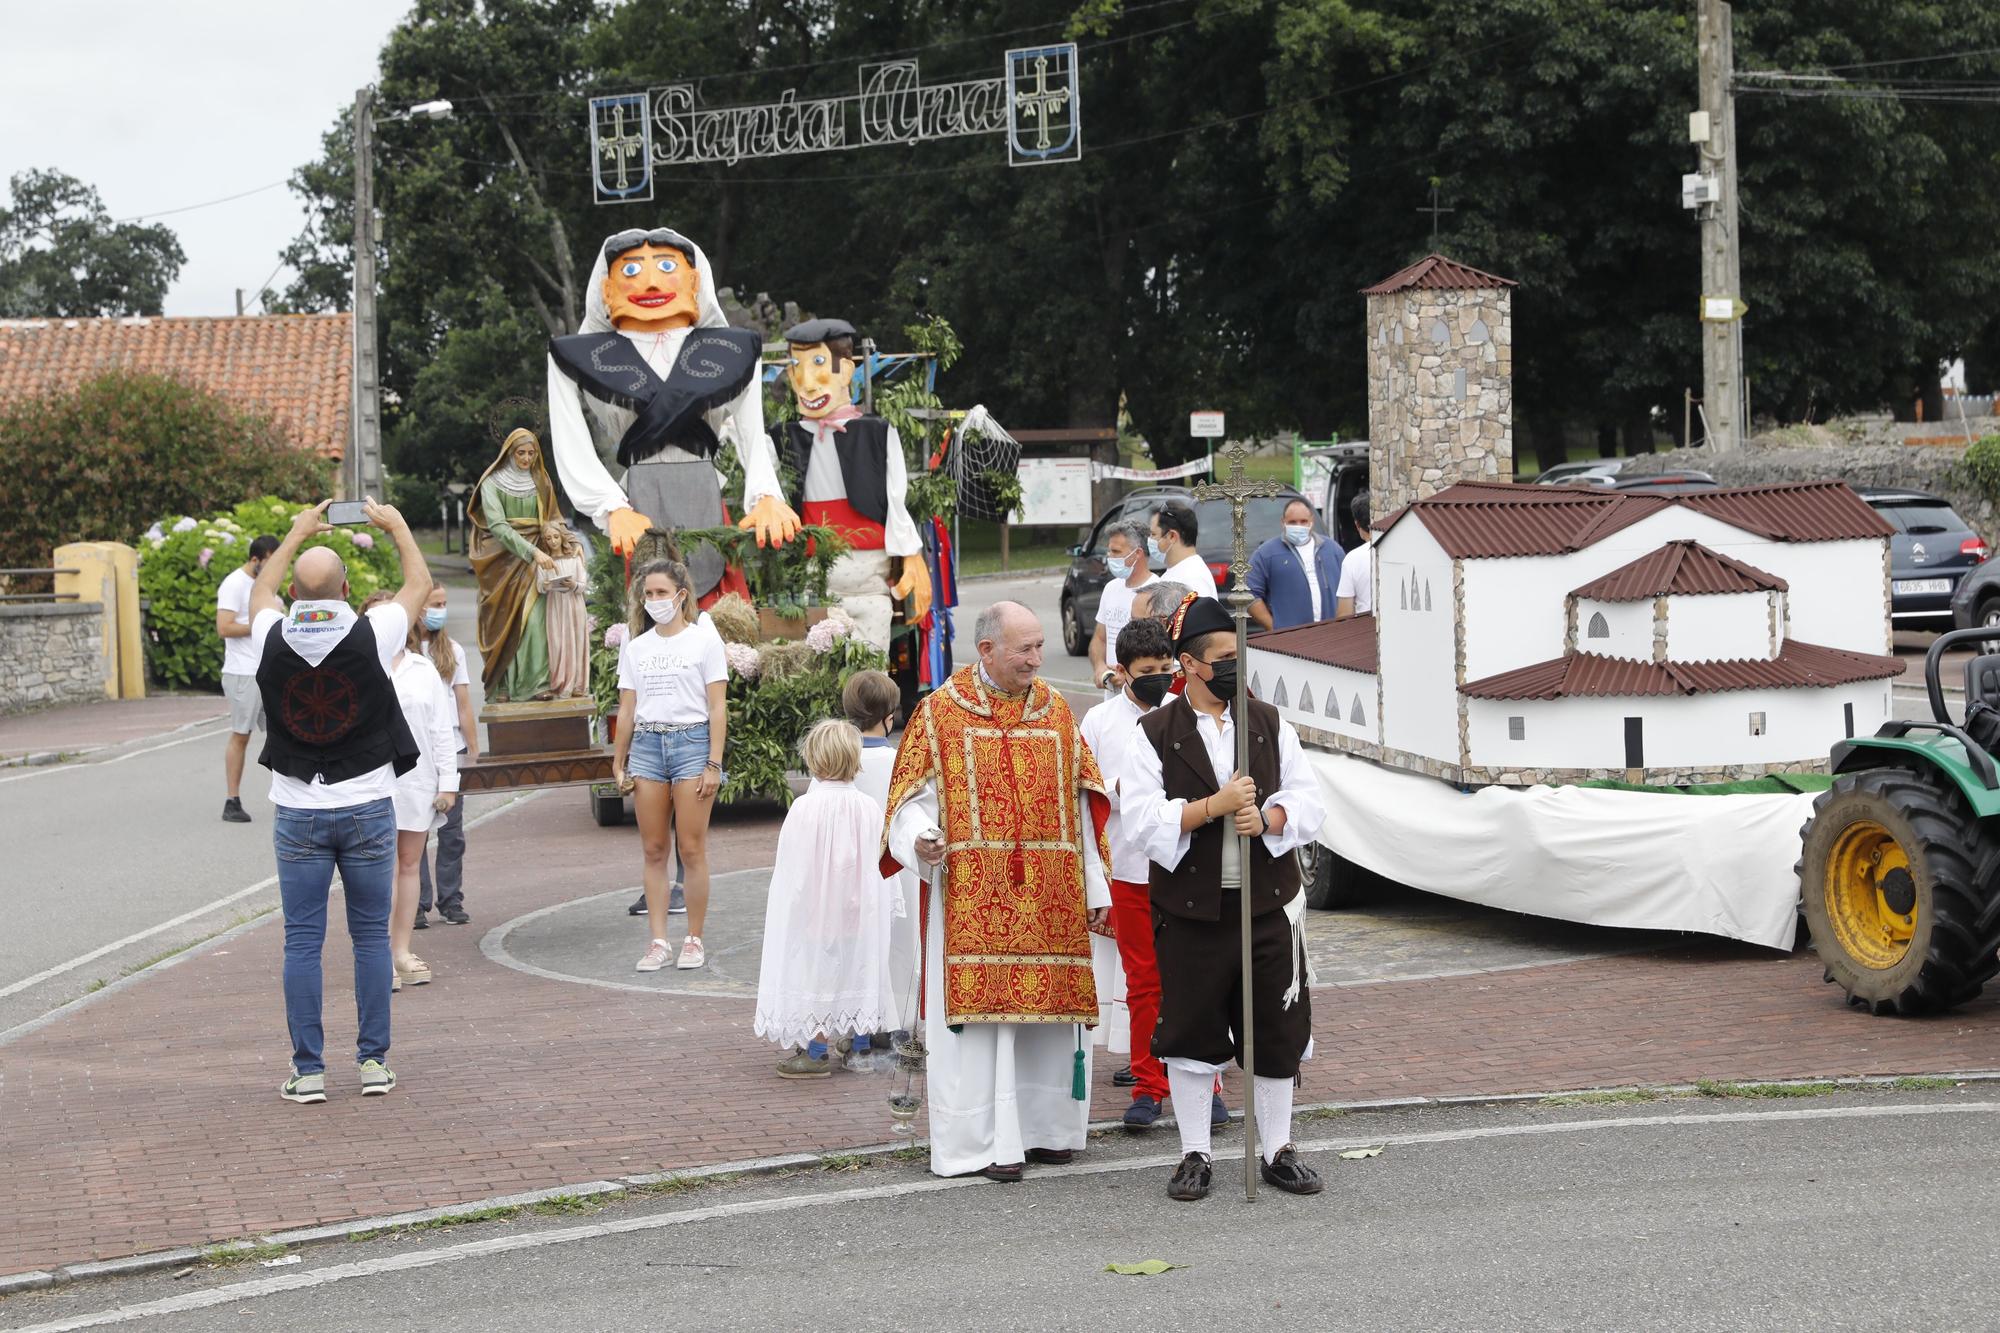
[1288,1173]
[1124,1078]
[1051,1156]
[1191,1179]
[1006,1175]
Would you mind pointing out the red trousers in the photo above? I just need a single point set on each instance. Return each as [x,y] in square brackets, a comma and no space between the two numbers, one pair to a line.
[1132,922]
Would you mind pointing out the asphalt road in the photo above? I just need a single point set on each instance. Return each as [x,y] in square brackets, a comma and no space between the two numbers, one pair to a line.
[113,861]
[1858,1211]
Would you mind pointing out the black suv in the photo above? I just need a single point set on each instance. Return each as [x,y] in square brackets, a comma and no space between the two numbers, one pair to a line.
[1931,551]
[1083,586]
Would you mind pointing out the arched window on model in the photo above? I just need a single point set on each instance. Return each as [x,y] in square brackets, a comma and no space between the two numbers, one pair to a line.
[1600,628]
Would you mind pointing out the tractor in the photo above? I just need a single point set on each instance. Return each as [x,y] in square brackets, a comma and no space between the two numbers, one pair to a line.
[1899,870]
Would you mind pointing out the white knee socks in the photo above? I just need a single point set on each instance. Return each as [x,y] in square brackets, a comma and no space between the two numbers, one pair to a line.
[1274,1115]
[1193,1092]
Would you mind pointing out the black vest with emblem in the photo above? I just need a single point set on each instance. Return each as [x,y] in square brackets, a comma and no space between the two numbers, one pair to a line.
[1193,889]
[334,721]
[862,446]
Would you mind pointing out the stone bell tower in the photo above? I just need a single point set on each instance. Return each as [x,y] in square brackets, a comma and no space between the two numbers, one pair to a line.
[1440,381]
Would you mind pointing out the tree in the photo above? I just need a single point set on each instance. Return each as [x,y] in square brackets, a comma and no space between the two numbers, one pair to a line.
[62,257]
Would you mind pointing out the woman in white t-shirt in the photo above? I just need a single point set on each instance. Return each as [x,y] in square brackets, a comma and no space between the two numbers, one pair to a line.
[673,720]
[423,794]
[451,663]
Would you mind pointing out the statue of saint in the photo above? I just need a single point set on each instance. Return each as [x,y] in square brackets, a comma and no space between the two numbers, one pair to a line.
[565,592]
[512,508]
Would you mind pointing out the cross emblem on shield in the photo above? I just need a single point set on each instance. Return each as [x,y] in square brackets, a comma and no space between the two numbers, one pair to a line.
[621,149]
[1044,113]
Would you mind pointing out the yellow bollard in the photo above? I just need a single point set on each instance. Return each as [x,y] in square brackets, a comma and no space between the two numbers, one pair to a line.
[107,573]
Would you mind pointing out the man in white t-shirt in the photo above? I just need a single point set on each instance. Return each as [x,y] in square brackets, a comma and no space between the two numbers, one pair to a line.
[1174,534]
[239,671]
[335,741]
[1125,558]
[1356,593]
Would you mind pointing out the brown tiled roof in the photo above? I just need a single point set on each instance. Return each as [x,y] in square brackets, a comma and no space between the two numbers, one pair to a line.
[1346,643]
[1679,568]
[1436,273]
[293,368]
[1498,518]
[1585,675]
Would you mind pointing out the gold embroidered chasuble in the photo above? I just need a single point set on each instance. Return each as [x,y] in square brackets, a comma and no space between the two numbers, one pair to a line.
[1009,770]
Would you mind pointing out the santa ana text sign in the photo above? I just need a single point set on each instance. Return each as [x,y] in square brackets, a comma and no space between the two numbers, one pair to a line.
[1034,102]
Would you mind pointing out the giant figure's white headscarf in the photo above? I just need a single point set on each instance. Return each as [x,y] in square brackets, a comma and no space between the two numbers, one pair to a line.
[597,315]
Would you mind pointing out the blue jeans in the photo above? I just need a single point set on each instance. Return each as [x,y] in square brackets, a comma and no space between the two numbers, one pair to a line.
[361,841]
[669,756]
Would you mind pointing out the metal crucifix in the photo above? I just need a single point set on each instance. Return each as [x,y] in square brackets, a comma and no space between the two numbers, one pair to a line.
[1239,490]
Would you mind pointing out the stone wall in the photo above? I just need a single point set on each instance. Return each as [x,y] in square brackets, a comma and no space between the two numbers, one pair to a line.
[50,653]
[1440,392]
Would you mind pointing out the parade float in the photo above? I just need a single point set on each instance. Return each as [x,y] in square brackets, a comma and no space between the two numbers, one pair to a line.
[1580,704]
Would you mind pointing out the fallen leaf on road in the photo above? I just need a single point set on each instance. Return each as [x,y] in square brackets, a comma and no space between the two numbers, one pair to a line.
[1148,1268]
[1356,1154]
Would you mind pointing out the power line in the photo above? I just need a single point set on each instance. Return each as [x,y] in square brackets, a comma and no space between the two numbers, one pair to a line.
[1919,60]
[189,208]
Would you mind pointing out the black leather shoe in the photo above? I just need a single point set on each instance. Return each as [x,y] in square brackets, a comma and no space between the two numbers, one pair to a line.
[1006,1175]
[1191,1179]
[1288,1173]
[1051,1156]
[1124,1078]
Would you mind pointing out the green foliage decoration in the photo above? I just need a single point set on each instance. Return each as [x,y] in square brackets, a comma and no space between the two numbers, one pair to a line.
[785,578]
[1982,465]
[179,586]
[99,462]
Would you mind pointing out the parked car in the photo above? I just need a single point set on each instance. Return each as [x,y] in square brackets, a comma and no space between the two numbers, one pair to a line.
[1931,552]
[1658,483]
[1346,477]
[1083,585]
[1586,470]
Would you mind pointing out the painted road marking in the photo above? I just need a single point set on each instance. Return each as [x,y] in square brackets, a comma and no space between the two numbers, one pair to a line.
[47,770]
[510,1244]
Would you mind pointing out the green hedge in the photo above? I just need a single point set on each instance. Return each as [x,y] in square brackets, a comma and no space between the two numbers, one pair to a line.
[179,585]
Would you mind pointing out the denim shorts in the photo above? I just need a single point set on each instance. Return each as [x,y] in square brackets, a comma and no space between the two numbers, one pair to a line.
[669,756]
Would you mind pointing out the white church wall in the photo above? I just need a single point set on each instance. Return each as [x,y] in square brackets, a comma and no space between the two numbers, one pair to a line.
[1312,694]
[1718,627]
[1627,626]
[1839,595]
[1740,727]
[1418,635]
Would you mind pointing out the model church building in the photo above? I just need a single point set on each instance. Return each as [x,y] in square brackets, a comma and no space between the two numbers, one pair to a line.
[1556,634]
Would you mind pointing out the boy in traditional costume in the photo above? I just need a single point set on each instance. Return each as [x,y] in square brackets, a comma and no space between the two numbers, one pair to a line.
[657,366]
[1191,808]
[852,478]
[993,780]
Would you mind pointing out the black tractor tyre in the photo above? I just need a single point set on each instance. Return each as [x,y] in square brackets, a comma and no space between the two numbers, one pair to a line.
[1953,861]
[1332,881]
[1076,641]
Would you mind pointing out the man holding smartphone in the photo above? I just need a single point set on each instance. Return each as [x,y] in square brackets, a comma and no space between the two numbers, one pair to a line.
[335,742]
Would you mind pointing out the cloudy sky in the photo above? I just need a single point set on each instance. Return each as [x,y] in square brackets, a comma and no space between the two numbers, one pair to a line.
[163,105]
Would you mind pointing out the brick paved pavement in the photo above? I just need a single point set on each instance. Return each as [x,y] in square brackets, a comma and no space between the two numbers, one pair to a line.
[150,1118]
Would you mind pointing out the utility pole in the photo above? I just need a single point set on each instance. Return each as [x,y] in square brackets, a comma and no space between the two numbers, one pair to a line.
[361,472]
[1714,132]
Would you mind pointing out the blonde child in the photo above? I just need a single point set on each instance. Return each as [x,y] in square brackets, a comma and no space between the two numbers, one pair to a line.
[825,970]
[871,700]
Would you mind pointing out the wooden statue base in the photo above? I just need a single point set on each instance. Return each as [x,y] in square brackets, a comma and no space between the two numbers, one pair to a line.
[537,744]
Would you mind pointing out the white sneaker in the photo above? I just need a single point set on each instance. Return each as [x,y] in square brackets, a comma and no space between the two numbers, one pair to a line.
[691,954]
[656,957]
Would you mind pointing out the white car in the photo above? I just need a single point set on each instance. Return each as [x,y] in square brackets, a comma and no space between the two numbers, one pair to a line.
[1590,470]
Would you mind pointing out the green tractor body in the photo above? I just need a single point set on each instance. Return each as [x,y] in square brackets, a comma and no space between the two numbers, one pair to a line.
[1899,865]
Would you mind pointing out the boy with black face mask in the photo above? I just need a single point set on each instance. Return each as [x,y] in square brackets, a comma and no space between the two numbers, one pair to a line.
[1188,806]
[1111,729]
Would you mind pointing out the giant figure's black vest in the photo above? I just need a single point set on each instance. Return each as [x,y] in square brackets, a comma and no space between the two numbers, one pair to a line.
[711,367]
[334,721]
[1194,888]
[862,446]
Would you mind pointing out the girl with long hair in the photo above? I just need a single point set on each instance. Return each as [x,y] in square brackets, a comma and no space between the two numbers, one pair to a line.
[449,659]
[673,721]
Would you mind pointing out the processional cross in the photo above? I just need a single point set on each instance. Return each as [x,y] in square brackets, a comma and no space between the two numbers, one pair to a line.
[1239,490]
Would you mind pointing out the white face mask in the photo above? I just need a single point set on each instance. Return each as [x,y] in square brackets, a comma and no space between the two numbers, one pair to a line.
[664,610]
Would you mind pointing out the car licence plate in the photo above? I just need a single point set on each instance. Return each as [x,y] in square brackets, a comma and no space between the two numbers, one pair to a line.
[1920,587]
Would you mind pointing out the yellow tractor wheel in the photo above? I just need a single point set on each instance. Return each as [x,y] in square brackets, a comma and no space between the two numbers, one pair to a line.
[1896,889]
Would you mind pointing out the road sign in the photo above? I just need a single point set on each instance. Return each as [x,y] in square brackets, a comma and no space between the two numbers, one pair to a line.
[1722,309]
[1205,425]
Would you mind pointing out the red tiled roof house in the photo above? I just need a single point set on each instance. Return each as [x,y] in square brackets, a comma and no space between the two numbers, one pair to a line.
[1529,634]
[293,368]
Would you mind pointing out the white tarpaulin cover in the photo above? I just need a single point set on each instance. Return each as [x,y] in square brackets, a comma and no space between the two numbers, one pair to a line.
[1721,865]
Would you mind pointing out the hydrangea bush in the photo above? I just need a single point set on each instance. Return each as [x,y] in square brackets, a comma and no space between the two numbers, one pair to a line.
[183,560]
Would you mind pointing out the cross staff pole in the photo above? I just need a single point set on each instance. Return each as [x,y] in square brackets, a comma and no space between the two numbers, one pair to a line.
[1238,491]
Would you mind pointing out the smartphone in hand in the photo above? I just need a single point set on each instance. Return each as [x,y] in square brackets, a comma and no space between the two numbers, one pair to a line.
[347,513]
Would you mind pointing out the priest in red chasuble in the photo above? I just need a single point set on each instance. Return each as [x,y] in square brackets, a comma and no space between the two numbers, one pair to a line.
[995,764]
